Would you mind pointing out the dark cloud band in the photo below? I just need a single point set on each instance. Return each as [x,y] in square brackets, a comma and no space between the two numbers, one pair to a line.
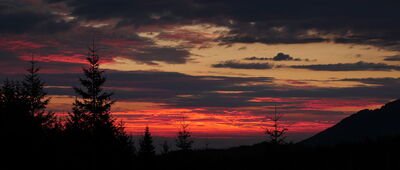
[359,66]
[239,65]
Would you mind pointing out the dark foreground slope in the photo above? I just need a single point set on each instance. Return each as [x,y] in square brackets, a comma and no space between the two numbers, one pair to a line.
[368,139]
[361,126]
[380,154]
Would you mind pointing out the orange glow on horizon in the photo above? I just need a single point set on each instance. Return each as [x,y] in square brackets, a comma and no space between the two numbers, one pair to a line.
[243,121]
[166,123]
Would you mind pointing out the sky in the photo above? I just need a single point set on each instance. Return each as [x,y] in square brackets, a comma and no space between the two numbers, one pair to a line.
[222,66]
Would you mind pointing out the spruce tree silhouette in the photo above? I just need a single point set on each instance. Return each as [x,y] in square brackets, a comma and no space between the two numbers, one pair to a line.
[94,105]
[42,124]
[146,150]
[35,96]
[183,140]
[98,138]
[14,111]
[277,133]
[13,106]
[25,124]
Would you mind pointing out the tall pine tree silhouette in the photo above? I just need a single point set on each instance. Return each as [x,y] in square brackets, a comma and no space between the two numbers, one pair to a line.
[146,149]
[94,104]
[35,96]
[26,127]
[26,101]
[183,138]
[43,126]
[277,132]
[13,110]
[15,119]
[98,136]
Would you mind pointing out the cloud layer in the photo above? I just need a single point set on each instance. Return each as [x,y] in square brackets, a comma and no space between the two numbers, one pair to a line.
[358,66]
[369,22]
[392,58]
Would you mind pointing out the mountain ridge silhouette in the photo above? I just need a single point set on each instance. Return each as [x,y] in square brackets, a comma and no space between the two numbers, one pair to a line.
[364,125]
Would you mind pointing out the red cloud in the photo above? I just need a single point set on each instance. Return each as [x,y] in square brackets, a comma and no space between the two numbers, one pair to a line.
[74,58]
[20,45]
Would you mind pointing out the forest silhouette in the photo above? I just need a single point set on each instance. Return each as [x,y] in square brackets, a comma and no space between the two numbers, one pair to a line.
[91,138]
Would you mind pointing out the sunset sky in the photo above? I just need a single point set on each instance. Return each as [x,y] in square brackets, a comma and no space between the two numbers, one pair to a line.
[221,64]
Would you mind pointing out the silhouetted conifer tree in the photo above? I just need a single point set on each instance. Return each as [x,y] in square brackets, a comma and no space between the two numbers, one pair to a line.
[44,128]
[183,140]
[26,127]
[94,104]
[146,149]
[277,132]
[13,108]
[24,103]
[96,132]
[16,129]
[35,96]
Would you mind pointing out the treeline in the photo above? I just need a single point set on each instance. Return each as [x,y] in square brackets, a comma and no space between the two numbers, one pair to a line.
[88,138]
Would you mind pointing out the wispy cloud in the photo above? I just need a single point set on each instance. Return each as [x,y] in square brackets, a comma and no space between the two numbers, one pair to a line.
[392,58]
[358,66]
